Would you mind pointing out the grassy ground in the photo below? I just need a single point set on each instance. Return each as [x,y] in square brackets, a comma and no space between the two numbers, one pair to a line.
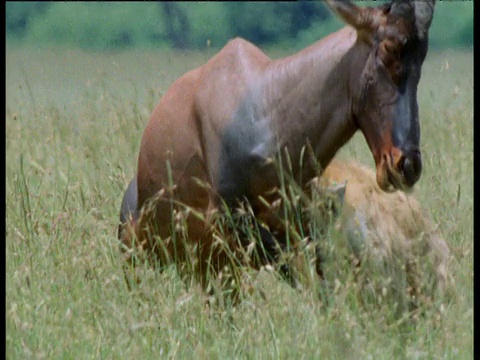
[73,126]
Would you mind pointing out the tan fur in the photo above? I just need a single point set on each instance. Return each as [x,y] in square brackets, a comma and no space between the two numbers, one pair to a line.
[388,229]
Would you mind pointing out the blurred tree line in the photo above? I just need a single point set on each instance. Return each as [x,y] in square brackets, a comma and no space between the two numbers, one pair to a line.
[197,25]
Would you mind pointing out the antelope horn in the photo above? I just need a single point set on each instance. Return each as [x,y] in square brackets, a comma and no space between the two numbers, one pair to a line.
[403,8]
[423,17]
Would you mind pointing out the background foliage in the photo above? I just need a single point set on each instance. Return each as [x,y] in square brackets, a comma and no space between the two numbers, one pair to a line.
[197,25]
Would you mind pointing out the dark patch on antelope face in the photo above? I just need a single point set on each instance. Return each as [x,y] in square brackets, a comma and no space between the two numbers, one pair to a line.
[389,118]
[405,168]
[244,153]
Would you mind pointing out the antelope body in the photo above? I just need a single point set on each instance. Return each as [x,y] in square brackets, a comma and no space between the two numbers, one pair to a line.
[221,131]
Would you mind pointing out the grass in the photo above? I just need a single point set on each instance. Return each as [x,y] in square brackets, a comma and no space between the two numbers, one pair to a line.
[73,126]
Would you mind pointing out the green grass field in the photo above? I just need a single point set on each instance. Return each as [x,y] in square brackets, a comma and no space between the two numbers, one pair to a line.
[73,126]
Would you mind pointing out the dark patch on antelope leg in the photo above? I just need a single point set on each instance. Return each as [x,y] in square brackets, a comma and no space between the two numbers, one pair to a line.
[128,209]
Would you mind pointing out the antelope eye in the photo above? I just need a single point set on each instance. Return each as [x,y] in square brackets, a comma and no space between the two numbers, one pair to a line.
[391,48]
[389,55]
[390,51]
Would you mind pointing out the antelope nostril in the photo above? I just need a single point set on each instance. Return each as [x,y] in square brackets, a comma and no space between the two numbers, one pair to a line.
[411,168]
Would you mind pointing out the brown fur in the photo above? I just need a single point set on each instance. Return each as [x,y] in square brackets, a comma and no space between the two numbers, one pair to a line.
[220,130]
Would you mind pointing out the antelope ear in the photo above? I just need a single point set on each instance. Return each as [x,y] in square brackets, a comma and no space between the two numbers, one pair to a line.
[339,191]
[361,18]
[423,17]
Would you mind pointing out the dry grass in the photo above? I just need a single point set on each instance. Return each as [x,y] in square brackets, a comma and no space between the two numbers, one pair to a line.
[73,126]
